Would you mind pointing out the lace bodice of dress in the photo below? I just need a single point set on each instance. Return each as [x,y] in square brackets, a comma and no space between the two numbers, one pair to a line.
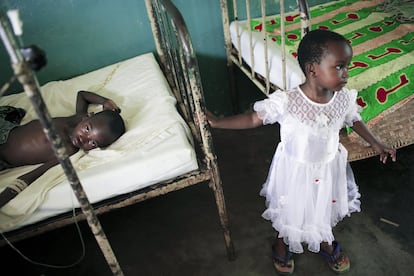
[317,115]
[309,131]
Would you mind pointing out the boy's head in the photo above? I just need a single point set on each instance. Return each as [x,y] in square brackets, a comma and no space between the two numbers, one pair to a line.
[314,46]
[98,130]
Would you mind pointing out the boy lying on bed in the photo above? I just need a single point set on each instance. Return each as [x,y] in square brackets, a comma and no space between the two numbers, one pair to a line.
[28,145]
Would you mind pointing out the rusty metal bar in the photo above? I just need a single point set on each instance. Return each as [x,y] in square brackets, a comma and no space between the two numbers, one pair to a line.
[192,94]
[304,16]
[249,19]
[228,47]
[283,40]
[265,48]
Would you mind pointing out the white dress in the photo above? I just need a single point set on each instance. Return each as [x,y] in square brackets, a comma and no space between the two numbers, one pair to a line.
[310,186]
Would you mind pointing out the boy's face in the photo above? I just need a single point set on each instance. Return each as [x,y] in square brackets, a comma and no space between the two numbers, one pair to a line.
[92,132]
[332,72]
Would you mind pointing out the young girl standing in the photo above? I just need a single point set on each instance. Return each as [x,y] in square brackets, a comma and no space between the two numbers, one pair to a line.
[310,185]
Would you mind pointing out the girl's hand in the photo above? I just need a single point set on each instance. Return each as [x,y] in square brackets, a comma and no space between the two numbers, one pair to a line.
[384,152]
[111,105]
[211,118]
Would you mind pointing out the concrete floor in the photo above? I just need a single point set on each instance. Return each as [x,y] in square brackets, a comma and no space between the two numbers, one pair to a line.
[179,233]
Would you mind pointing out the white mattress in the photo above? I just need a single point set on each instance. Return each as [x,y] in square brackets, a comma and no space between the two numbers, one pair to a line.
[294,75]
[157,145]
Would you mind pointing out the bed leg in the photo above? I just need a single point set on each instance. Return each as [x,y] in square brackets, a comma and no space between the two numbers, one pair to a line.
[229,62]
[233,88]
[216,185]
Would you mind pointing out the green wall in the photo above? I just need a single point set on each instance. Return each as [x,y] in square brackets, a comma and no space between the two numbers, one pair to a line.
[82,35]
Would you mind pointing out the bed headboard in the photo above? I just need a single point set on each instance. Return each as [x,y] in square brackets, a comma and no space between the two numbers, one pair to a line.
[233,13]
[179,63]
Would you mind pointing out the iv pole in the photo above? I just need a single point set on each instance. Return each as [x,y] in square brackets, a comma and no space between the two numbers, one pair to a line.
[28,80]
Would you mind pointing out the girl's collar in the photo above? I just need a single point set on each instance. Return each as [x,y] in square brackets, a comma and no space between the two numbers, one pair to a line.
[316,103]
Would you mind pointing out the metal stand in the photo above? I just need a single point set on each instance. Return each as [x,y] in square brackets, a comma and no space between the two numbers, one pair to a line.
[28,79]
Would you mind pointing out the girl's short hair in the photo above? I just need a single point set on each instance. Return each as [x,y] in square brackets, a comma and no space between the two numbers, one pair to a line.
[313,46]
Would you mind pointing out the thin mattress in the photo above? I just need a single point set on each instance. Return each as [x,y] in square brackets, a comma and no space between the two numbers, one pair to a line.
[157,145]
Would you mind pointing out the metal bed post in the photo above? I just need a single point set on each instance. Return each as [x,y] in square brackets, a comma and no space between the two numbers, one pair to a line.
[250,71]
[189,84]
[266,52]
[249,19]
[304,16]
[283,40]
[236,19]
[228,47]
[27,78]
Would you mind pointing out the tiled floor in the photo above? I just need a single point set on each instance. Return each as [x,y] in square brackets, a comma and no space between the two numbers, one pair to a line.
[179,233]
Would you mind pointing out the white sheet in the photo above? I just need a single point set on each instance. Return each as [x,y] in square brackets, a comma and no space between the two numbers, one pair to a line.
[294,75]
[156,147]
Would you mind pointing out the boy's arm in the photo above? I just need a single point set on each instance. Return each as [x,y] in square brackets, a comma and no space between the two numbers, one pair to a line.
[85,98]
[362,130]
[13,189]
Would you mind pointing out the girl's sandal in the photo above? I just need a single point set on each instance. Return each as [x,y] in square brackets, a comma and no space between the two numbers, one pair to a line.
[337,261]
[284,266]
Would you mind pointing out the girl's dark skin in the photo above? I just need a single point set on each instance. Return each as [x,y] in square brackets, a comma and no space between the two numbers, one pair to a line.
[28,144]
[322,80]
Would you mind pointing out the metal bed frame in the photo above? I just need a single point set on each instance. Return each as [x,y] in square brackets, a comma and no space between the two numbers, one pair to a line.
[234,56]
[397,130]
[178,61]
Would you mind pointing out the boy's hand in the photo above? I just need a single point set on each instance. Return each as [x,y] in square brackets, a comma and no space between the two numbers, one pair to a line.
[111,105]
[85,98]
[384,152]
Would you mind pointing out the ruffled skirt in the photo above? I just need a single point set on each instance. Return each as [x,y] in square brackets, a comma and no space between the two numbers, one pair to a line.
[305,200]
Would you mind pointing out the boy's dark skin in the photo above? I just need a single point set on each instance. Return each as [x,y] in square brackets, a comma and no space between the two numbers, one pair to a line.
[28,144]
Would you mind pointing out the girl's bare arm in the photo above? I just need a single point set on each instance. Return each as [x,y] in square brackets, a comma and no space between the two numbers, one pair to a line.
[240,121]
[361,128]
